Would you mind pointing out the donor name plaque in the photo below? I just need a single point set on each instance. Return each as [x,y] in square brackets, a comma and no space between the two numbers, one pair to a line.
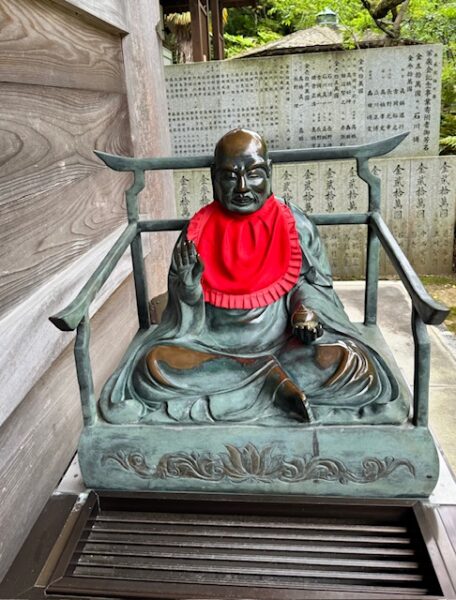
[310,100]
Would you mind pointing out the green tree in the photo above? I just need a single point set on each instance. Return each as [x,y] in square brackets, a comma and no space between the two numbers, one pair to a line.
[428,21]
[424,20]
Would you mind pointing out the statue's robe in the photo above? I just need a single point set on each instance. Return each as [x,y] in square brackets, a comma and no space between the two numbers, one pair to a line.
[205,364]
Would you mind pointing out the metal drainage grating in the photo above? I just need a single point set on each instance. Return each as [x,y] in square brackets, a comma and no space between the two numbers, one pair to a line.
[287,551]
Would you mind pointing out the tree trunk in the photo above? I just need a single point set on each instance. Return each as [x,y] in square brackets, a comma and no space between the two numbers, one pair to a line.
[383,7]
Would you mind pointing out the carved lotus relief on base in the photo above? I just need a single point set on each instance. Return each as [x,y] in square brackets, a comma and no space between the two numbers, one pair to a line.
[251,463]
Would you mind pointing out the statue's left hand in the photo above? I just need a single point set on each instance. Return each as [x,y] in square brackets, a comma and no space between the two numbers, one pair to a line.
[306,325]
[188,263]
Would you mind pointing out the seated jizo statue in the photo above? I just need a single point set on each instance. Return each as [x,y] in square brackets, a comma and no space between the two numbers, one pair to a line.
[253,331]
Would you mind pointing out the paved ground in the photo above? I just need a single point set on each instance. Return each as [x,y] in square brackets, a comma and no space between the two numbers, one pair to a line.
[394,320]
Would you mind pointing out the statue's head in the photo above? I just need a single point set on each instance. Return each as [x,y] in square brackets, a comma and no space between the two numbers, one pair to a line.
[241,172]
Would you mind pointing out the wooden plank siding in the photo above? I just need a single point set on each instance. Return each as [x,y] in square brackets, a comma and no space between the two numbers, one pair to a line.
[75,75]
[56,200]
[39,439]
[50,132]
[41,44]
[29,343]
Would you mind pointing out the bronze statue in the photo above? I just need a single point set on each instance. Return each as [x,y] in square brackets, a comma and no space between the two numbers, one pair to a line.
[253,331]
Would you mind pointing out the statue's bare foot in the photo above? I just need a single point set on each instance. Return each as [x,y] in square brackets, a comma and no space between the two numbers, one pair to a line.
[293,401]
[287,396]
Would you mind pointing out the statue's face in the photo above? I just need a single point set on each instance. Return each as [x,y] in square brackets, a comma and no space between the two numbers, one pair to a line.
[242,173]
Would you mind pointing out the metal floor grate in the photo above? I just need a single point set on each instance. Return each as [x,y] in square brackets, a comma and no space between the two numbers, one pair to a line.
[302,552]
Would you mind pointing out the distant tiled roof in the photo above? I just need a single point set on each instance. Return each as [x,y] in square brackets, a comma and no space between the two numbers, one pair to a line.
[314,39]
[317,36]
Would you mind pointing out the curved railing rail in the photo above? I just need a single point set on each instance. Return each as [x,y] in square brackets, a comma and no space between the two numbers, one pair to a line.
[361,151]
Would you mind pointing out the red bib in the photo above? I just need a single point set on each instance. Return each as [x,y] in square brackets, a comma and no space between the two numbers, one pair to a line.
[249,260]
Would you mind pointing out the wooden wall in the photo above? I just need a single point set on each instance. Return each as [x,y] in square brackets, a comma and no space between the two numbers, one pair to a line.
[75,75]
[62,95]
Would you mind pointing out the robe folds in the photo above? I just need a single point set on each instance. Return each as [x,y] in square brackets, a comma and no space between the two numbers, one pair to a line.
[205,363]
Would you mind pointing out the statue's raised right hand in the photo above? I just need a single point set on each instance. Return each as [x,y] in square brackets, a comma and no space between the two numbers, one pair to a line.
[188,263]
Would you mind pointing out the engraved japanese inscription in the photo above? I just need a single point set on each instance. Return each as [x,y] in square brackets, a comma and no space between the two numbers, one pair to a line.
[311,100]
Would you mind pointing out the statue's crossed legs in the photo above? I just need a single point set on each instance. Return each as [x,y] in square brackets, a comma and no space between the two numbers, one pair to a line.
[284,381]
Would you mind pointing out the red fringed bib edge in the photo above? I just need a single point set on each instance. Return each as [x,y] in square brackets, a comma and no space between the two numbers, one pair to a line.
[256,298]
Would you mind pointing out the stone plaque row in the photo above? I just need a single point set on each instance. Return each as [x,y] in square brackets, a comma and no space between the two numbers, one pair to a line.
[310,100]
[418,203]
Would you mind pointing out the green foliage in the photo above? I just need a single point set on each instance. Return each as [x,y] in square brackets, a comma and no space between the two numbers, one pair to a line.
[300,14]
[448,119]
[431,21]
[449,85]
[236,44]
[241,22]
[448,144]
[266,35]
[425,20]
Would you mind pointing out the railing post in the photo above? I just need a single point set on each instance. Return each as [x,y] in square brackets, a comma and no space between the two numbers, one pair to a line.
[137,256]
[84,372]
[373,243]
[372,275]
[422,371]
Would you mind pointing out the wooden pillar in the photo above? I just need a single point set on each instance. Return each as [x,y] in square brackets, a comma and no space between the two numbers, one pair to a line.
[217,29]
[200,30]
[206,29]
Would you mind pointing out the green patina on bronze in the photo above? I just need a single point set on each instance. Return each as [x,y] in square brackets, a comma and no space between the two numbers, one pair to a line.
[181,395]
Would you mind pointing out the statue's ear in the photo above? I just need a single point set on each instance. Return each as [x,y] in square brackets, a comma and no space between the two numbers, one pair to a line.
[270,169]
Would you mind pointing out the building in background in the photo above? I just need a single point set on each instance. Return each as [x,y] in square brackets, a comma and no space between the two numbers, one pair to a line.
[197,27]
